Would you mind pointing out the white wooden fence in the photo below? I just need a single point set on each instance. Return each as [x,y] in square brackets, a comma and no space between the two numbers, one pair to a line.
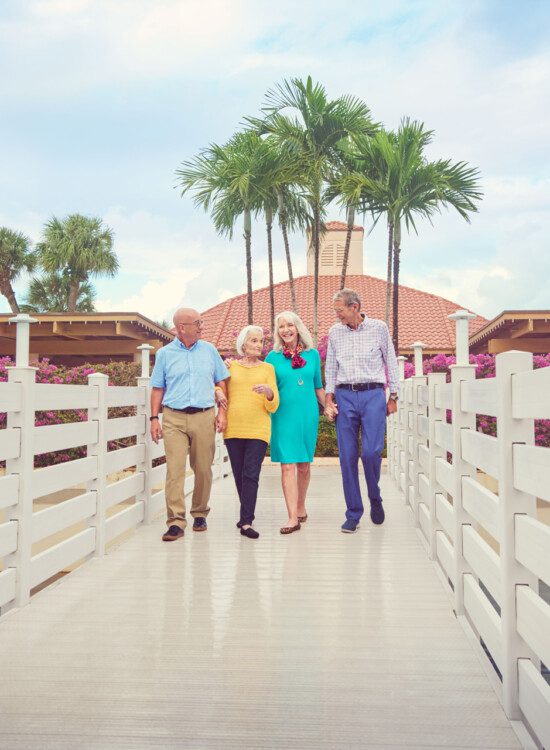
[490,547]
[103,511]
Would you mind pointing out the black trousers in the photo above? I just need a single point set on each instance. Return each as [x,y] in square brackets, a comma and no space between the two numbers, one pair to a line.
[246,456]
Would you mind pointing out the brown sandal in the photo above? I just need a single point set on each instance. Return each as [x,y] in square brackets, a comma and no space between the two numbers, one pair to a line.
[290,529]
[302,519]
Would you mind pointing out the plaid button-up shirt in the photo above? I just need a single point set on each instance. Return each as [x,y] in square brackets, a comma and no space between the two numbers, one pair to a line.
[361,355]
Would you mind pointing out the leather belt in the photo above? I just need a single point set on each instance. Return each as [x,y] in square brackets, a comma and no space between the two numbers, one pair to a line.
[360,386]
[190,409]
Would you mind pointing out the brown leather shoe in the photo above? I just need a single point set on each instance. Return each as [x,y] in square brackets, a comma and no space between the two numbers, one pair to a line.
[302,519]
[173,533]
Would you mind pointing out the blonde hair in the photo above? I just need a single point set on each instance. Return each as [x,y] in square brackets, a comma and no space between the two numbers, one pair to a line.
[304,336]
[244,334]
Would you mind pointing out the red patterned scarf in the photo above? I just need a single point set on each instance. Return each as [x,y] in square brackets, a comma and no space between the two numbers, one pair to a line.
[297,361]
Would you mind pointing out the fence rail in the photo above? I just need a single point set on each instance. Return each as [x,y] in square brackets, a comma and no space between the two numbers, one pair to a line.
[38,539]
[492,550]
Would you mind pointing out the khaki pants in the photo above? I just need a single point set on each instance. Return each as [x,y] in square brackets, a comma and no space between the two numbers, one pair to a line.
[192,434]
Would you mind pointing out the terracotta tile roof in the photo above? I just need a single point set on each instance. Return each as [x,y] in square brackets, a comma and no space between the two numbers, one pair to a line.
[423,316]
[341,226]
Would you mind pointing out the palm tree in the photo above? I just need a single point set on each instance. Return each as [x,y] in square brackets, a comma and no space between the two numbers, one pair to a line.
[227,180]
[312,136]
[400,183]
[15,257]
[77,247]
[50,293]
[280,179]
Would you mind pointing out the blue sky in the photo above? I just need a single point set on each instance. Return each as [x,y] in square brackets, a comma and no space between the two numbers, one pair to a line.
[102,100]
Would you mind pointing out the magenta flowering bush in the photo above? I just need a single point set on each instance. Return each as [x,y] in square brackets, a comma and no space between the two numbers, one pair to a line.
[119,373]
[485,368]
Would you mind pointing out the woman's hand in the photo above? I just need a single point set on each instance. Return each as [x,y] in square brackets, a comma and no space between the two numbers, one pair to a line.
[221,420]
[331,411]
[265,389]
[221,398]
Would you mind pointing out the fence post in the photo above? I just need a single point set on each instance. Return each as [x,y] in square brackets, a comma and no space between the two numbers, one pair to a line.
[145,409]
[418,410]
[408,400]
[435,416]
[510,503]
[98,485]
[460,421]
[23,466]
[400,422]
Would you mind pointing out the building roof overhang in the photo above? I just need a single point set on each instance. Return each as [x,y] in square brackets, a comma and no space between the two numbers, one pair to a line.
[514,324]
[81,334]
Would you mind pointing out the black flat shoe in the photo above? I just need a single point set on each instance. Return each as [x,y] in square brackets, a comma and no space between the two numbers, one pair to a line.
[250,533]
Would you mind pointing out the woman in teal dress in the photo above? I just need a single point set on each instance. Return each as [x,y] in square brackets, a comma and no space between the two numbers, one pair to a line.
[295,424]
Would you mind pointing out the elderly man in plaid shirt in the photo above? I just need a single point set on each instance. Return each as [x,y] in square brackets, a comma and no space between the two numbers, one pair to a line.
[360,353]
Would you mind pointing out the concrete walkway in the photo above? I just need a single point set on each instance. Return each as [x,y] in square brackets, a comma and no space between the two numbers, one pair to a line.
[316,640]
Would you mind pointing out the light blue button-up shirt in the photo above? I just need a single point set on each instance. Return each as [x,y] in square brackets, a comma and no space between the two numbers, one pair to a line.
[188,375]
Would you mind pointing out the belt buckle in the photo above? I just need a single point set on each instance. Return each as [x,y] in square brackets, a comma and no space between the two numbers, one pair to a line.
[353,388]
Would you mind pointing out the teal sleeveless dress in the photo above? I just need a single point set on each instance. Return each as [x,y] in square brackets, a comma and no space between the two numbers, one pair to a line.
[295,424]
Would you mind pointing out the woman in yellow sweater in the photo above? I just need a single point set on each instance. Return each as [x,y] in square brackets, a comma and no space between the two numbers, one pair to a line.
[252,397]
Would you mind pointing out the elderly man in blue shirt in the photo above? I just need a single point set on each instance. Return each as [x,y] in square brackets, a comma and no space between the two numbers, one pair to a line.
[359,355]
[188,377]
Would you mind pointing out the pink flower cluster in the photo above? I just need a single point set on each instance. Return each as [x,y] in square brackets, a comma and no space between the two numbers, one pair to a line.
[119,373]
[485,368]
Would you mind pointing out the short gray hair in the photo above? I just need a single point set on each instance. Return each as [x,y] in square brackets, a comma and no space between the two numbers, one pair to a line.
[348,297]
[244,334]
[304,336]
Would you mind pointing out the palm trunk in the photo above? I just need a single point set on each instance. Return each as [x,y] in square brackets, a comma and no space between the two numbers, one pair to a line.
[74,288]
[248,244]
[395,332]
[316,229]
[282,223]
[351,220]
[269,225]
[6,290]
[388,277]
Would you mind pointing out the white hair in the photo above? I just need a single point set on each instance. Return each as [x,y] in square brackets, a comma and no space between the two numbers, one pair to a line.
[348,297]
[304,336]
[244,334]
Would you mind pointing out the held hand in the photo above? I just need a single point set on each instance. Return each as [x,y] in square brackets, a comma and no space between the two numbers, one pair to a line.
[156,430]
[391,407]
[221,398]
[221,421]
[265,389]
[331,411]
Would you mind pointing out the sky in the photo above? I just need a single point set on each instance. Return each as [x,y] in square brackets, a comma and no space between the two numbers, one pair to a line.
[101,101]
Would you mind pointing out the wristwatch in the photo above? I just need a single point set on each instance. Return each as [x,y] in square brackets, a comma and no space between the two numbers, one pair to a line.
[154,417]
[394,397]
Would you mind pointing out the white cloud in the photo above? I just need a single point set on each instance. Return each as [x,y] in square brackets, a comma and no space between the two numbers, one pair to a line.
[155,299]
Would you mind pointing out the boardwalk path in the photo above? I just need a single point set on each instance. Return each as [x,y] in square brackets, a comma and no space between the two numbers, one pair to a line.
[317,640]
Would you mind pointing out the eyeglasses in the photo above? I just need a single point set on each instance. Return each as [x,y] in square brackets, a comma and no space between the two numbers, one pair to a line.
[197,323]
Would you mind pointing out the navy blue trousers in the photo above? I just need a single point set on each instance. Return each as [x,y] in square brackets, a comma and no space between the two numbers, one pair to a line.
[246,456]
[360,413]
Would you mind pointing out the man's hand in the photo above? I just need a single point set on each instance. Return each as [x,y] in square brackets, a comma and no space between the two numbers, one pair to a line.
[221,420]
[331,411]
[156,430]
[391,406]
[221,398]
[265,389]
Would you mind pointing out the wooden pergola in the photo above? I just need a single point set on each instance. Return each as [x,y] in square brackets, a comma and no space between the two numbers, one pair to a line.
[523,330]
[75,338]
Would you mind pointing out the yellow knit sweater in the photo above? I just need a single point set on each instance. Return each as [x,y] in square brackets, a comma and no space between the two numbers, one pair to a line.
[248,412]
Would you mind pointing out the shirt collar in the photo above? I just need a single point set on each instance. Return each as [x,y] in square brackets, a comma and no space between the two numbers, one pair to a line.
[361,324]
[181,345]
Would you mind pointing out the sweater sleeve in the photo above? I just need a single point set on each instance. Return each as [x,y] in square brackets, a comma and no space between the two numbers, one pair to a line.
[273,405]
